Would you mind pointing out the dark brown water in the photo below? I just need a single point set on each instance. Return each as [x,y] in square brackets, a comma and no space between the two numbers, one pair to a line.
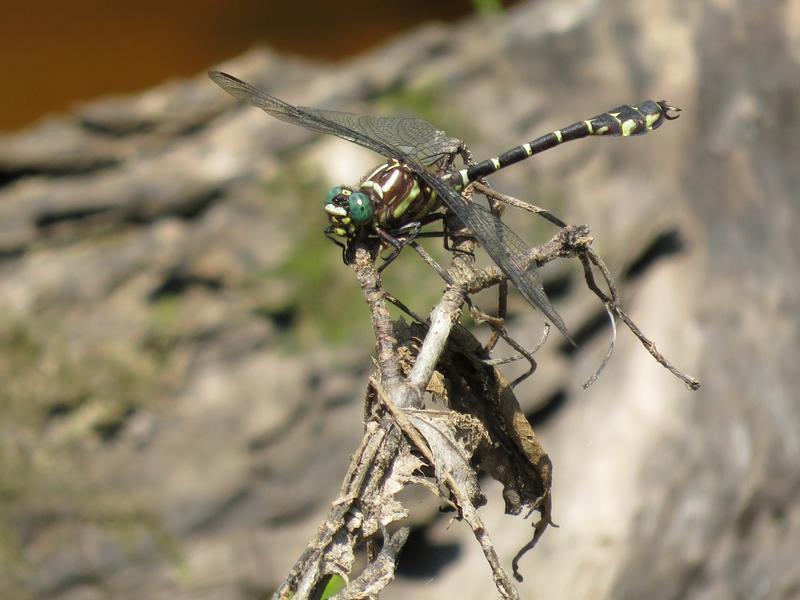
[53,54]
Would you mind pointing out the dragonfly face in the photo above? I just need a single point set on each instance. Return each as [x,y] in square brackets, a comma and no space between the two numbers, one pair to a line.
[348,211]
[390,197]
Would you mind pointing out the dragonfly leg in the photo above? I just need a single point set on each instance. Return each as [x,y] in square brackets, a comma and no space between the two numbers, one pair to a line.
[496,324]
[499,331]
[446,241]
[466,155]
[401,237]
[427,220]
[341,245]
[447,164]
[407,233]
[444,234]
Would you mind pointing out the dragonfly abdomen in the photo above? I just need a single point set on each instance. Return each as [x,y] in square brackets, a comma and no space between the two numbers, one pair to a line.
[625,120]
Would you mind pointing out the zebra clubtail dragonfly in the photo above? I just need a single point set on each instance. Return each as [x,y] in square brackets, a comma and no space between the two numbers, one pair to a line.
[400,196]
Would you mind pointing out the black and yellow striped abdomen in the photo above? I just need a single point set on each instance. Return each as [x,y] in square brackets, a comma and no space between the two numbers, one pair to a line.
[625,120]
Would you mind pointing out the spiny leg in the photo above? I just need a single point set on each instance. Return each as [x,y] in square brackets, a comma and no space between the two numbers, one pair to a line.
[330,236]
[401,237]
[466,155]
[499,332]
[397,243]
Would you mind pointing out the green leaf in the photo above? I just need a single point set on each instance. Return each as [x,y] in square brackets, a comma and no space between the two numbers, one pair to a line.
[335,585]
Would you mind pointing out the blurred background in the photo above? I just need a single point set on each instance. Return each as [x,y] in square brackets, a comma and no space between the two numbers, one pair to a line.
[183,355]
[56,54]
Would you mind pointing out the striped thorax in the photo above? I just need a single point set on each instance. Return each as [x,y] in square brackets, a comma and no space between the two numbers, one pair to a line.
[389,197]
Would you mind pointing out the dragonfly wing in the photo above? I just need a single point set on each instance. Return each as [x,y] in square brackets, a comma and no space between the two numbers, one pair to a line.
[405,139]
[298,116]
[416,138]
[508,251]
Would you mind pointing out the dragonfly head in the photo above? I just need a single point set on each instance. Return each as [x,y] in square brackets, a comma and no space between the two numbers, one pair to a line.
[348,211]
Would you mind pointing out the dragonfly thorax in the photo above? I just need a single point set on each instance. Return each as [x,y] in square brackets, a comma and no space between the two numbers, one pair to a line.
[389,197]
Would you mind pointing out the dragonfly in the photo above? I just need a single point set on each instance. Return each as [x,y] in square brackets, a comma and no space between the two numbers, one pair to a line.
[407,191]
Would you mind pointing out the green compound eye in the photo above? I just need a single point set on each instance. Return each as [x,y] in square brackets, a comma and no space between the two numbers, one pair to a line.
[360,207]
[335,191]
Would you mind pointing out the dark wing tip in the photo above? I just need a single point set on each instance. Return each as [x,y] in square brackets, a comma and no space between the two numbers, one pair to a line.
[241,90]
[220,77]
[556,320]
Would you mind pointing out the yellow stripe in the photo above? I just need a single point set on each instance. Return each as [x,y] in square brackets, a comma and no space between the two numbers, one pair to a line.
[392,179]
[371,185]
[376,171]
[628,127]
[403,206]
[432,200]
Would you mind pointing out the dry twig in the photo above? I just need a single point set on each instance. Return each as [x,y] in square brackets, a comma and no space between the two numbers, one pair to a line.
[481,429]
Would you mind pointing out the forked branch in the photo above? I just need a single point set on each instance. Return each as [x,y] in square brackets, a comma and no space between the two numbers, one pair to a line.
[477,425]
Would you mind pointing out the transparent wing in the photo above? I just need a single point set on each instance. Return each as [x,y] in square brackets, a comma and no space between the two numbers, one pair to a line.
[504,247]
[394,137]
[416,138]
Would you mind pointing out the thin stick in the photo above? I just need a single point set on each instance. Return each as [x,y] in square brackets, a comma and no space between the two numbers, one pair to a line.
[517,203]
[691,382]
